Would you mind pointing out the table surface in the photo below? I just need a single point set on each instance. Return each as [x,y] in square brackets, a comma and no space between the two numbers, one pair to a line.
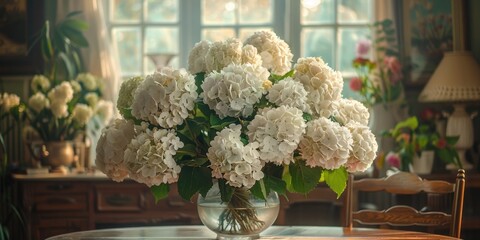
[274,232]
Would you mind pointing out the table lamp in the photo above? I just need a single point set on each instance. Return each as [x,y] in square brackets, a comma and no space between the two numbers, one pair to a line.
[456,80]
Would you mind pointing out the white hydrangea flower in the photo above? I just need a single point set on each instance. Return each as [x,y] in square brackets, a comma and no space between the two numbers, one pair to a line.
[325,144]
[275,53]
[234,91]
[350,110]
[38,102]
[149,156]
[75,86]
[7,101]
[59,109]
[223,53]
[110,149]
[104,110]
[61,93]
[320,81]
[92,99]
[278,132]
[196,58]
[165,98]
[250,55]
[40,83]
[100,83]
[127,91]
[230,159]
[364,148]
[87,80]
[289,93]
[82,113]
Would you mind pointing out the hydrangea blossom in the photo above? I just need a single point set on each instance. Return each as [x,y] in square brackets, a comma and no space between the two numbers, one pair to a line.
[75,86]
[231,160]
[326,144]
[320,81]
[92,99]
[38,102]
[165,98]
[289,93]
[40,83]
[126,93]
[59,96]
[364,148]
[110,149]
[234,91]
[278,132]
[7,101]
[82,114]
[196,58]
[104,110]
[275,52]
[350,110]
[223,53]
[87,80]
[149,156]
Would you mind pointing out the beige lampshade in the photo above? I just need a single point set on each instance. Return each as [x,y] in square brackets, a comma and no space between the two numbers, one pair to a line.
[456,79]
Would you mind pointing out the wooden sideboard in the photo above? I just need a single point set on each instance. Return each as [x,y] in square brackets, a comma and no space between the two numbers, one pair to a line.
[55,204]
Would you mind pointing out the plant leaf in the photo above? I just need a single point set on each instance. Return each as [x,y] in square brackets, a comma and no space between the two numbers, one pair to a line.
[193,180]
[336,179]
[304,178]
[75,24]
[160,191]
[226,191]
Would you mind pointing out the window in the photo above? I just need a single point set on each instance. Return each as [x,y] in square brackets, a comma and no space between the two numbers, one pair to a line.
[145,30]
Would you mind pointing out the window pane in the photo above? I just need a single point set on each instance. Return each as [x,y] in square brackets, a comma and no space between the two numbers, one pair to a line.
[162,11]
[127,44]
[317,11]
[218,11]
[161,40]
[319,42]
[247,32]
[354,11]
[347,45]
[125,10]
[150,66]
[255,11]
[217,34]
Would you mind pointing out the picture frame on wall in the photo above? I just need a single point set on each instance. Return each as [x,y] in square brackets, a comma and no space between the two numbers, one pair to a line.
[427,34]
[21,22]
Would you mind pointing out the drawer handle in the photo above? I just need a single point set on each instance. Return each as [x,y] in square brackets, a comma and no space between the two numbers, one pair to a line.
[61,200]
[119,200]
[59,187]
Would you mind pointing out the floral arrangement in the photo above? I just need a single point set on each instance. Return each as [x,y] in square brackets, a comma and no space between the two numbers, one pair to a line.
[240,117]
[59,110]
[413,136]
[378,80]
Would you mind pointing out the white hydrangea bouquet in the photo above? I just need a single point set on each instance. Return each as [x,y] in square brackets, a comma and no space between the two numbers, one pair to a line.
[240,117]
[59,110]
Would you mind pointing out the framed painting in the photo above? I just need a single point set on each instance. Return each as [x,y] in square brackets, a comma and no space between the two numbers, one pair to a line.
[427,34]
[21,21]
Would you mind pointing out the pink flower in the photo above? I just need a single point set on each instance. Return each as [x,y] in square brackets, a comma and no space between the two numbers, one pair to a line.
[356,84]
[442,143]
[363,47]
[394,66]
[393,159]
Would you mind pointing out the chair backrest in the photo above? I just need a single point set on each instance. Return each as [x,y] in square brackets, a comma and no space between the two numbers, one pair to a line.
[401,215]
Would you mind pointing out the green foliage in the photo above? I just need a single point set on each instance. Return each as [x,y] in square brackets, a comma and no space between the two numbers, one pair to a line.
[336,179]
[160,191]
[304,178]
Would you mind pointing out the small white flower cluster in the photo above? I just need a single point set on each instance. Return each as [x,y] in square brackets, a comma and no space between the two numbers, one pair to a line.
[233,91]
[275,52]
[7,101]
[289,93]
[364,147]
[233,161]
[82,114]
[127,92]
[59,96]
[149,156]
[196,59]
[38,102]
[88,80]
[278,132]
[40,83]
[165,97]
[349,110]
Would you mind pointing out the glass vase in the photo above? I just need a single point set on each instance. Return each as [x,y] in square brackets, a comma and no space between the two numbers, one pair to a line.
[244,217]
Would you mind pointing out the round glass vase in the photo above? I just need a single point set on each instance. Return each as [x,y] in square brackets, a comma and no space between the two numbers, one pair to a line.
[244,217]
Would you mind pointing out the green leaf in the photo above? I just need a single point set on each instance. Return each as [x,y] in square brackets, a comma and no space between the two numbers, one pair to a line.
[410,123]
[46,42]
[193,180]
[259,190]
[76,37]
[199,78]
[73,14]
[70,69]
[304,178]
[452,140]
[275,184]
[160,192]
[74,24]
[226,191]
[307,117]
[336,180]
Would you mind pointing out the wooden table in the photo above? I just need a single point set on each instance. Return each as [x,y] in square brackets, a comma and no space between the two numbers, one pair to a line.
[274,232]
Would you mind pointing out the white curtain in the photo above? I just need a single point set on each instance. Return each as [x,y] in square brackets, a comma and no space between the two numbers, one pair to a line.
[99,58]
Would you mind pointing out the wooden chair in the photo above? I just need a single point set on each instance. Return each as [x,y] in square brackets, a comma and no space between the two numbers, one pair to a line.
[402,215]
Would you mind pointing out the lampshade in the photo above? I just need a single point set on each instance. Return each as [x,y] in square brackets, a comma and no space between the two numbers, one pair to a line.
[456,79]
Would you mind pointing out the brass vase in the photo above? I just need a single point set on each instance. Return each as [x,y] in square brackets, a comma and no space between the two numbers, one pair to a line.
[57,154]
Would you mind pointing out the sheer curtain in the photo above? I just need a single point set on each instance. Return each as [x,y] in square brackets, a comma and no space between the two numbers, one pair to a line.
[99,58]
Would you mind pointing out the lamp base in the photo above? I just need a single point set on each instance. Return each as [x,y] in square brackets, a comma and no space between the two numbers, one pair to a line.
[460,124]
